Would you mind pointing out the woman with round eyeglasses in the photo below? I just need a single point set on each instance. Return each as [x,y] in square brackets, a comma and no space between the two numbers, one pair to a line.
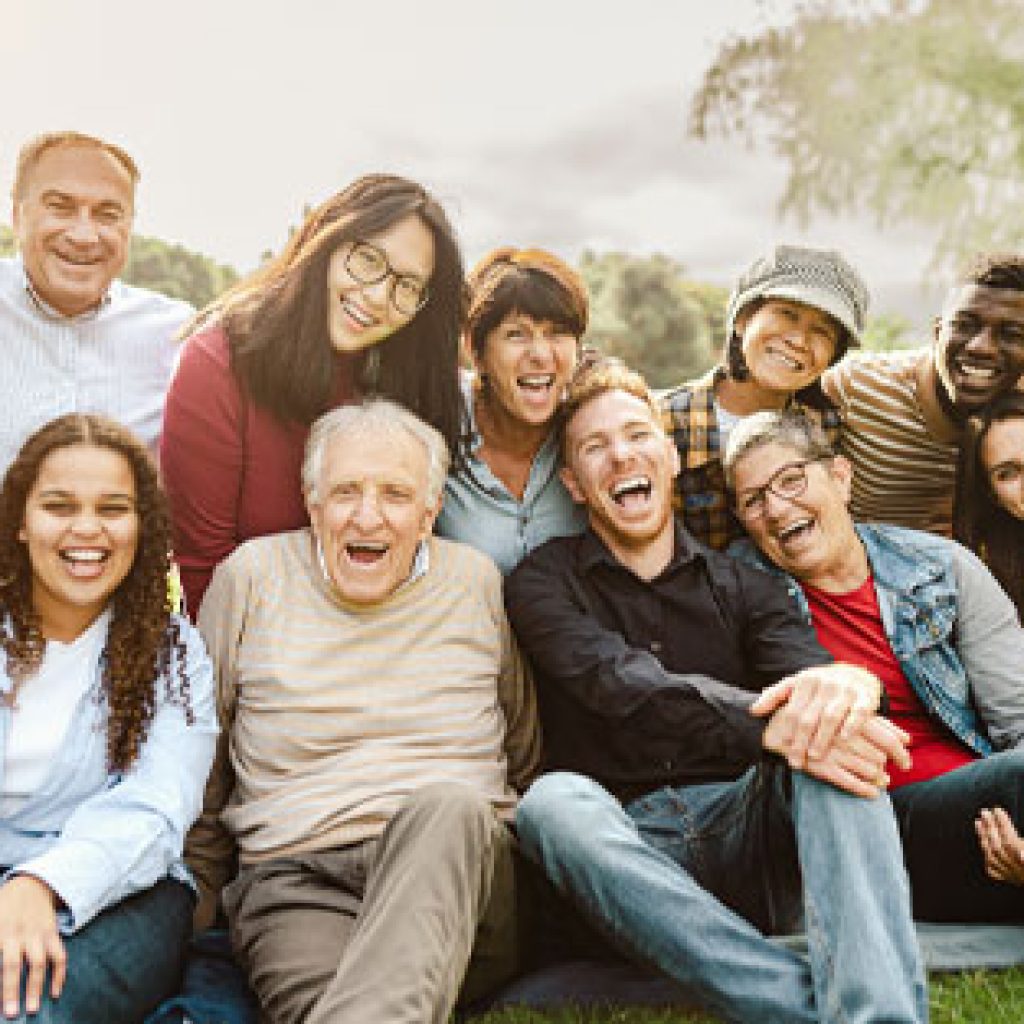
[107,732]
[366,298]
[527,313]
[988,513]
[794,312]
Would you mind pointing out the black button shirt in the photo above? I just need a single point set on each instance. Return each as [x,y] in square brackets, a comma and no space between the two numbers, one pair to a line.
[648,683]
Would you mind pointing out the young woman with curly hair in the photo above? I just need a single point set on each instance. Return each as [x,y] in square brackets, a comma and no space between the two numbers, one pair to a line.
[988,513]
[107,731]
[366,298]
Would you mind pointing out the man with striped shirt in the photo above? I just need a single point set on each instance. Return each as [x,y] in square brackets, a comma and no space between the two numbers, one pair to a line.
[903,411]
[377,722]
[72,339]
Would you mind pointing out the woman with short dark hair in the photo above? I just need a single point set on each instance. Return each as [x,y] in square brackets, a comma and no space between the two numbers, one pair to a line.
[527,313]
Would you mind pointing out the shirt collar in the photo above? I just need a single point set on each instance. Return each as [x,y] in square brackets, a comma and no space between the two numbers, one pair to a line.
[594,552]
[43,307]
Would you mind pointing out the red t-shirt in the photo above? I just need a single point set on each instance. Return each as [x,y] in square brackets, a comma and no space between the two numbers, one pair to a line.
[849,626]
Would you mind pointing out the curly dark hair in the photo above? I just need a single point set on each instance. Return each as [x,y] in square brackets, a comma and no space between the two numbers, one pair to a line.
[276,319]
[979,521]
[144,642]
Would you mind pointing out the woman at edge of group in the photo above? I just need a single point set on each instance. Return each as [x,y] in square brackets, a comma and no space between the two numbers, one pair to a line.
[107,732]
[527,313]
[988,514]
[366,298]
[794,312]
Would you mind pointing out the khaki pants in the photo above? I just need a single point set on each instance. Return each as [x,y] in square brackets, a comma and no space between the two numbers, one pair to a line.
[380,932]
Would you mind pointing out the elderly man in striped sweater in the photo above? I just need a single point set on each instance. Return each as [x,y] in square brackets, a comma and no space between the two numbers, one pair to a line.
[377,722]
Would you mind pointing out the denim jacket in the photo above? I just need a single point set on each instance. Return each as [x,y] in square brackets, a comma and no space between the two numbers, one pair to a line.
[918,600]
[96,837]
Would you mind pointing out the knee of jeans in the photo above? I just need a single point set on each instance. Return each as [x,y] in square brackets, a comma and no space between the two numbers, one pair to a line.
[560,802]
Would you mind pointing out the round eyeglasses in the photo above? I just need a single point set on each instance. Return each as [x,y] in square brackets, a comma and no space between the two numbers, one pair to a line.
[367,264]
[788,481]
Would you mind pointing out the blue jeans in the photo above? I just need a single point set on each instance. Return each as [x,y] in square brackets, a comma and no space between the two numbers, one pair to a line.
[941,848]
[124,962]
[676,878]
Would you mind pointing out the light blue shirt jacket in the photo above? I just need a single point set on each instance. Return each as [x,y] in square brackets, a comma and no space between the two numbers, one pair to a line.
[480,511]
[97,837]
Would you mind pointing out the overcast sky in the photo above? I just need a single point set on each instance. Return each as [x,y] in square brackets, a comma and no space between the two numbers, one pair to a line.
[559,123]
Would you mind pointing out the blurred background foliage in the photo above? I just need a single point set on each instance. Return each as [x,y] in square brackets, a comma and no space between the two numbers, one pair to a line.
[909,112]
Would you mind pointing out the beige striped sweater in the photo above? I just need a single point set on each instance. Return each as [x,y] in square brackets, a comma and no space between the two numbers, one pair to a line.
[333,714]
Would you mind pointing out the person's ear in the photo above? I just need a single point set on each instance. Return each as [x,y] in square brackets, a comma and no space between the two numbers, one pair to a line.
[841,470]
[572,485]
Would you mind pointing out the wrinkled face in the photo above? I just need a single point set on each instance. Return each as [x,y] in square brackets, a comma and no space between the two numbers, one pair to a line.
[621,465]
[370,512]
[979,344]
[1002,456]
[73,222]
[810,534]
[81,531]
[786,344]
[528,364]
[360,315]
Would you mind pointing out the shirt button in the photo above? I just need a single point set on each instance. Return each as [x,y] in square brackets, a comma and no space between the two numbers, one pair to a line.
[655,647]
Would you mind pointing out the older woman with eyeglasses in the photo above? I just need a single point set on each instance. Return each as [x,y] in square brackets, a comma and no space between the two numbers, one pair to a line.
[366,298]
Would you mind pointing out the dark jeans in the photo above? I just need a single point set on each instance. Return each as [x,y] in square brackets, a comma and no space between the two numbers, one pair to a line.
[941,848]
[215,989]
[124,962]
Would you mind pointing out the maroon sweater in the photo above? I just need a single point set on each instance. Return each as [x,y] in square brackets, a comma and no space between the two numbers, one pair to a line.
[232,471]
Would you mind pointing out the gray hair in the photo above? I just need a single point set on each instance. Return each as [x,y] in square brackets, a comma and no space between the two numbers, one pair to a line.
[378,416]
[793,429]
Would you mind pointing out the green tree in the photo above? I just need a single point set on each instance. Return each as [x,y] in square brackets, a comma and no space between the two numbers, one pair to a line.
[913,112]
[170,269]
[889,331]
[644,311]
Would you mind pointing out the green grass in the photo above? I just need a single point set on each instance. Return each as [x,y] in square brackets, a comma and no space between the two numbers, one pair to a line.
[971,997]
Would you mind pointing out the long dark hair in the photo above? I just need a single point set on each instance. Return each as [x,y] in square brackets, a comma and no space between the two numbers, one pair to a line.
[979,521]
[276,319]
[143,642]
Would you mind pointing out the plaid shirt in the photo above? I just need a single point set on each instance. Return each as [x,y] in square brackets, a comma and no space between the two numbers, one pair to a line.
[701,497]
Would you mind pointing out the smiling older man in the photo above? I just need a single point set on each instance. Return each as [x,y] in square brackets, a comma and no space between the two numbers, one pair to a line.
[925,615]
[669,824]
[374,710]
[72,339]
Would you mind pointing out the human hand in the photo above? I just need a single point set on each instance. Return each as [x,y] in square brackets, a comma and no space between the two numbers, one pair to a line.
[857,764]
[1001,846]
[28,934]
[810,709]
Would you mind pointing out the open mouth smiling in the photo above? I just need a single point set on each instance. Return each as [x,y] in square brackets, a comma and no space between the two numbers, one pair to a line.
[631,491]
[356,313]
[366,552]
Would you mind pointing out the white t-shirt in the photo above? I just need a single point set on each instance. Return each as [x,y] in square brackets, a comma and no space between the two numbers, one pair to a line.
[43,712]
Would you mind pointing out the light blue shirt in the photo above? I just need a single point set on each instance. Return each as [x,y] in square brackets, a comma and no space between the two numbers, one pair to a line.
[97,837]
[479,509]
[116,359]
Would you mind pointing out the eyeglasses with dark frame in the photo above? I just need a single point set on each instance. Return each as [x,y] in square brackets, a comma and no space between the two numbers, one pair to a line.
[367,264]
[788,481]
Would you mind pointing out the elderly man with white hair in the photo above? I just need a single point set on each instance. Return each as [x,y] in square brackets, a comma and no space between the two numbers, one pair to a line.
[376,724]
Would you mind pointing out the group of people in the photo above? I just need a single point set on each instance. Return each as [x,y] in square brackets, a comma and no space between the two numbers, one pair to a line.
[461,657]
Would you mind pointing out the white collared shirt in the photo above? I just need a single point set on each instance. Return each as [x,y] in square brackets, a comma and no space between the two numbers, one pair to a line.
[116,359]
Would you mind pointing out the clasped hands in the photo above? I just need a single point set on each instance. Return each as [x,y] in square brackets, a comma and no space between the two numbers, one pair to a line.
[824,722]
